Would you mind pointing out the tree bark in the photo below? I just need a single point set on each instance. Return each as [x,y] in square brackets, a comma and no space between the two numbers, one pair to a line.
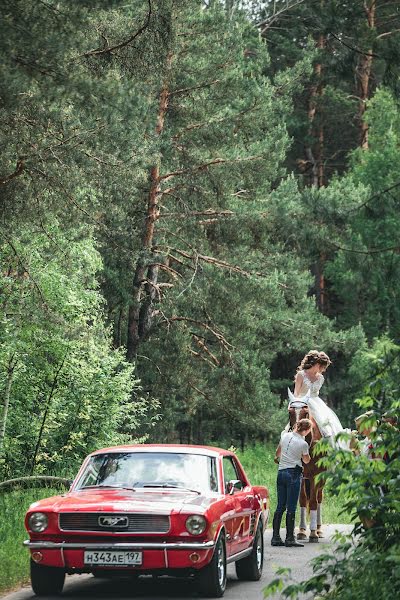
[146,272]
[314,149]
[7,392]
[364,68]
[315,157]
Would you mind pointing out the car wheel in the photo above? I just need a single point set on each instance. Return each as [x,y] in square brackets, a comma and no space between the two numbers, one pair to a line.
[46,581]
[212,578]
[250,568]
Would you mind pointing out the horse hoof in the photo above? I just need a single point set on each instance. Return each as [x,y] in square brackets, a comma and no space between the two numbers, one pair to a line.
[301,536]
[320,533]
[313,539]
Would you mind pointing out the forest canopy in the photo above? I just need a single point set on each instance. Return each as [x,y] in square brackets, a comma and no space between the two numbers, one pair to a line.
[193,194]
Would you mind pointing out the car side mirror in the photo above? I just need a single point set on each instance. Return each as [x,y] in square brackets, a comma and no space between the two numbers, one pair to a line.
[234,485]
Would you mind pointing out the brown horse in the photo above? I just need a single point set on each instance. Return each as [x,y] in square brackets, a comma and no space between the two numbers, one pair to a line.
[311,492]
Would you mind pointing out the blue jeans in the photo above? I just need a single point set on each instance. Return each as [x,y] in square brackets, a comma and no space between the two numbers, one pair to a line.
[288,486]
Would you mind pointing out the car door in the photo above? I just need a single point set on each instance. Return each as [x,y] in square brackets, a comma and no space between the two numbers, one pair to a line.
[231,506]
[240,519]
[244,499]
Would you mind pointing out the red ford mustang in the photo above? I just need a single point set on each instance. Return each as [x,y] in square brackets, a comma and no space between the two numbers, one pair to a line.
[161,509]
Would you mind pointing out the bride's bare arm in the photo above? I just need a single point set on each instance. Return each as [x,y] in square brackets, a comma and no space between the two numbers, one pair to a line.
[298,383]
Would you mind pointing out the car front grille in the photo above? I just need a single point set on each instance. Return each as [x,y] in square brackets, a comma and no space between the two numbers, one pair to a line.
[115,522]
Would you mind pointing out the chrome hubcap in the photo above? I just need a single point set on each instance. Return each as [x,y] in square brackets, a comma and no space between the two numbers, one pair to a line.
[259,551]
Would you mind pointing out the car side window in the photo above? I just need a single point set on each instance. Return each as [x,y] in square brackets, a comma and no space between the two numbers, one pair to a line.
[230,471]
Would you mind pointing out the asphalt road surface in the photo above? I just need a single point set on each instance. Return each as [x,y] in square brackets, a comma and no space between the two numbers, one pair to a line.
[86,587]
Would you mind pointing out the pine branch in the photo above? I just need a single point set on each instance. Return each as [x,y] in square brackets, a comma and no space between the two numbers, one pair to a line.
[210,212]
[108,49]
[219,336]
[352,48]
[199,355]
[205,166]
[365,252]
[201,344]
[19,169]
[276,14]
[206,84]
[371,198]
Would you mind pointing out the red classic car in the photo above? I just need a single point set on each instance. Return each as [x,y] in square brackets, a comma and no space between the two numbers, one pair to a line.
[160,509]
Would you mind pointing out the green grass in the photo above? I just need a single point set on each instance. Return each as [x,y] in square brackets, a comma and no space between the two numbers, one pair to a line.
[14,558]
[258,462]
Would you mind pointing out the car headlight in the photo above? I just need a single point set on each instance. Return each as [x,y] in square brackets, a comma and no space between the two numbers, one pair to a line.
[196,524]
[38,522]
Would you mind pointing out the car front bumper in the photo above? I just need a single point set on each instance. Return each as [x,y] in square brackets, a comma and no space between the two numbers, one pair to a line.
[120,545]
[156,555]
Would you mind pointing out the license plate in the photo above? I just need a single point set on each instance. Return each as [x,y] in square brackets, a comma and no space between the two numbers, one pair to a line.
[115,558]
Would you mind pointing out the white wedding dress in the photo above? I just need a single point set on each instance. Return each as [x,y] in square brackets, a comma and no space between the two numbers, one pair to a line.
[327,421]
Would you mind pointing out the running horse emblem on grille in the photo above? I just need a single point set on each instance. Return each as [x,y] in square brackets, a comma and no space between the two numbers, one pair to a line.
[111,521]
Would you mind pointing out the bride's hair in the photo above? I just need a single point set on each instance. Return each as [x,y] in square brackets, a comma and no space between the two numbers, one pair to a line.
[312,358]
[324,359]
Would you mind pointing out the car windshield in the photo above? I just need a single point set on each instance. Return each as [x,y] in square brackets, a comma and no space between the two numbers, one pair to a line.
[150,469]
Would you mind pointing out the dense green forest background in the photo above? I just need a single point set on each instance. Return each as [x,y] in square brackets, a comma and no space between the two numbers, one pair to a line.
[193,195]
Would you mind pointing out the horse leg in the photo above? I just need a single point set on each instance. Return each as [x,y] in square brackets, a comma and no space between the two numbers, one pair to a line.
[319,511]
[303,508]
[313,512]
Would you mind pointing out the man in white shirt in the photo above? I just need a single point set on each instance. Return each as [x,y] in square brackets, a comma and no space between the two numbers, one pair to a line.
[292,450]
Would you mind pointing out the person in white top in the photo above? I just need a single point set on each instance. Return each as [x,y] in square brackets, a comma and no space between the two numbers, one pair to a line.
[308,382]
[291,451]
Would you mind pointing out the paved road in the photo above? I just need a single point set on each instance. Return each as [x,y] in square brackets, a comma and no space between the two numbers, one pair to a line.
[86,587]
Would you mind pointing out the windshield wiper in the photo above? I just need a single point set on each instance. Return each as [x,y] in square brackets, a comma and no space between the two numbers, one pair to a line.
[114,487]
[170,485]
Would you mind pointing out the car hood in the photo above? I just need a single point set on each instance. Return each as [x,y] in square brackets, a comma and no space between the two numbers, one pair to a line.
[155,501]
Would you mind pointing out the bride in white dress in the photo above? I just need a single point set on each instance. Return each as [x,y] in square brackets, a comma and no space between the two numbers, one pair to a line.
[308,382]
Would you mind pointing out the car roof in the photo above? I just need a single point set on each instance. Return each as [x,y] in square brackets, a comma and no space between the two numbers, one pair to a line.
[168,448]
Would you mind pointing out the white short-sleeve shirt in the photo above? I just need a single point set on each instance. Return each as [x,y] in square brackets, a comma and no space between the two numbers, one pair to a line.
[293,447]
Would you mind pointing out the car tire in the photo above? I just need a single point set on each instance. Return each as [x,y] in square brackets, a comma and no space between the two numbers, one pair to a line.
[46,581]
[250,568]
[212,578]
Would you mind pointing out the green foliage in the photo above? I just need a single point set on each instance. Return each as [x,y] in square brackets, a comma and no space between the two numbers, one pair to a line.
[364,272]
[13,557]
[70,392]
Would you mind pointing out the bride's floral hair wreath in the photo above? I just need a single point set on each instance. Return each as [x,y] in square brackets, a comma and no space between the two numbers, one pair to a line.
[312,358]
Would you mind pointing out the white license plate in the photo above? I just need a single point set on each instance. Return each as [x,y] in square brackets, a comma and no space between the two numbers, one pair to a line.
[115,558]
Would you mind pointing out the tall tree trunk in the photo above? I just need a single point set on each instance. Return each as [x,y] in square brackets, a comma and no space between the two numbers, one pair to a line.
[314,148]
[118,328]
[315,157]
[10,375]
[364,68]
[46,412]
[320,283]
[146,272]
